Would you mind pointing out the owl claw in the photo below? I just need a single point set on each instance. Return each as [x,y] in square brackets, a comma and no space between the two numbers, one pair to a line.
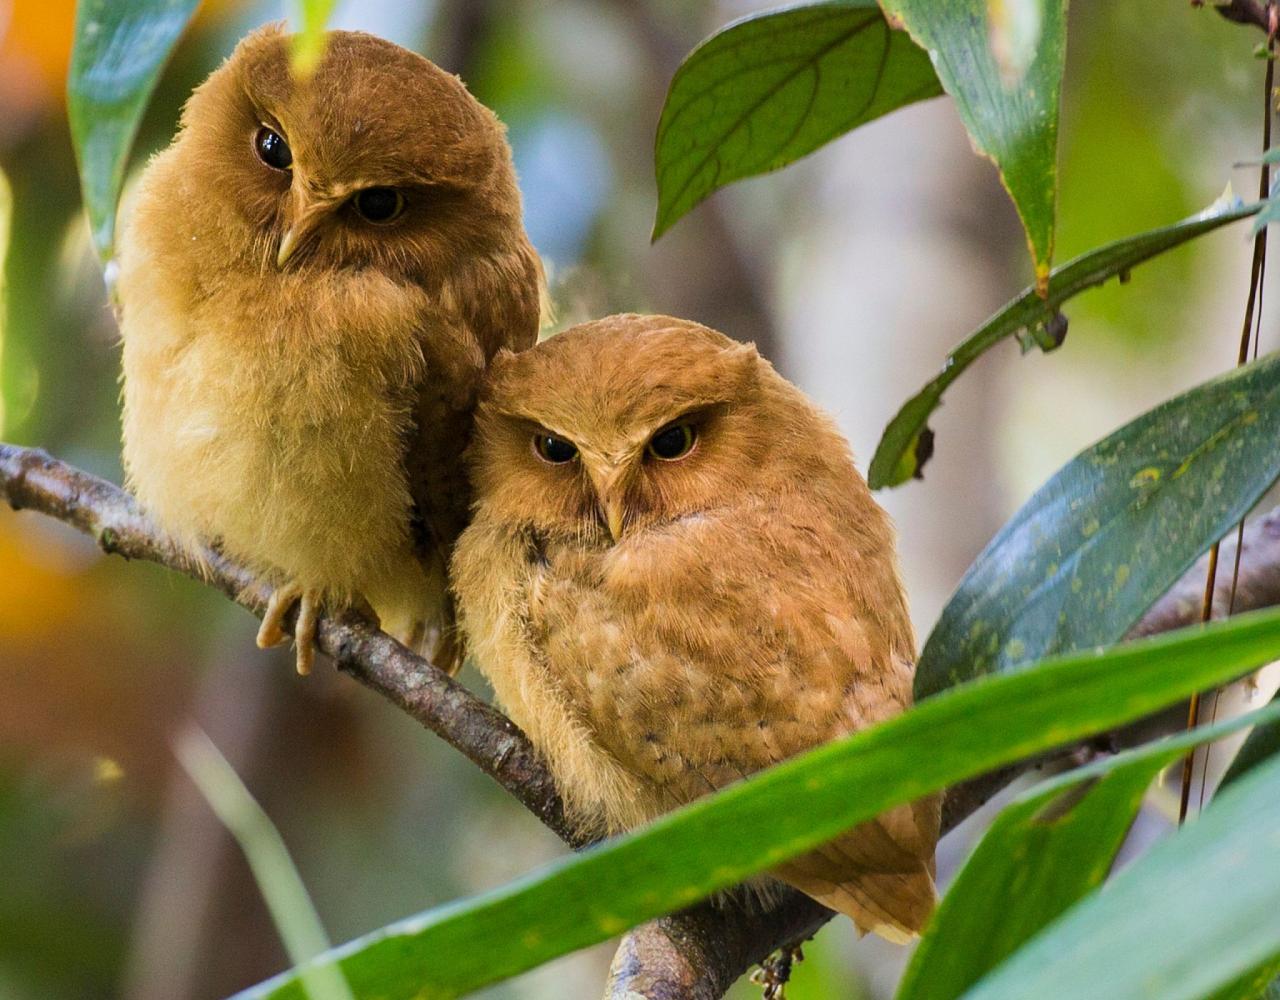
[271,633]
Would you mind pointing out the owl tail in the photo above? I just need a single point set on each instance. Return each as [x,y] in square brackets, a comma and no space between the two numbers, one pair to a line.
[879,874]
[895,906]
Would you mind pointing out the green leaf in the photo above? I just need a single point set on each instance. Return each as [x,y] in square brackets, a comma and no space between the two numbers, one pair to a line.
[772,88]
[1112,530]
[1191,916]
[277,877]
[119,50]
[1016,127]
[900,454]
[787,810]
[1046,850]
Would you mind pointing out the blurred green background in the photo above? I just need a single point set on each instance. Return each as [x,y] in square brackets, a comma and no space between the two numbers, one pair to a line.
[854,270]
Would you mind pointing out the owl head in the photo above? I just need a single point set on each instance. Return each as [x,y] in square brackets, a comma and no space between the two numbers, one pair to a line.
[634,421]
[379,159]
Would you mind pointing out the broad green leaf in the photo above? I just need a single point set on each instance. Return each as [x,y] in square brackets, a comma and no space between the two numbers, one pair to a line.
[119,49]
[907,442]
[308,43]
[772,88]
[787,810]
[1045,851]
[1015,127]
[1112,530]
[1193,915]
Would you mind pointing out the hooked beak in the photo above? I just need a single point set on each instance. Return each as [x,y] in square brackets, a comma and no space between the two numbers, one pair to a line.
[306,221]
[613,515]
[611,489]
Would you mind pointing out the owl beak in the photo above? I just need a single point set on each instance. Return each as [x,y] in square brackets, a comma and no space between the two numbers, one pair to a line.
[615,516]
[305,223]
[288,244]
[611,494]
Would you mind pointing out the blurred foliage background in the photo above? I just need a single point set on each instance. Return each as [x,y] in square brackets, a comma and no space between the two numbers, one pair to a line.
[853,271]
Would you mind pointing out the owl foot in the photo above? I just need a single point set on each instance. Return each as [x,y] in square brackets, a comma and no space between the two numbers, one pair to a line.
[271,632]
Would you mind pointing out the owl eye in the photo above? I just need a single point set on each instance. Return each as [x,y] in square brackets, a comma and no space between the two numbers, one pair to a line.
[672,442]
[272,149]
[555,450]
[378,204]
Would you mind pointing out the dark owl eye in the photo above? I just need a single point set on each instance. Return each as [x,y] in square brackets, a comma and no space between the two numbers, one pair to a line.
[672,442]
[555,450]
[378,204]
[272,149]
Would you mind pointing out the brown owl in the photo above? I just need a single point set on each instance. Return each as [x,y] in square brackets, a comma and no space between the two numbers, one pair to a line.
[313,277]
[675,577]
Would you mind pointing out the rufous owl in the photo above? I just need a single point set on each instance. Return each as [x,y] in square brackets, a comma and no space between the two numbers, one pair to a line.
[675,577]
[313,277]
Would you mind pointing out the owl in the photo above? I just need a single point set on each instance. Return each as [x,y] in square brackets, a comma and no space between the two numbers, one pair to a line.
[313,277]
[674,577]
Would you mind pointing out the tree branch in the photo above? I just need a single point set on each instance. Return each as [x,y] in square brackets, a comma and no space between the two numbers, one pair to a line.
[1255,12]
[30,479]
[693,955]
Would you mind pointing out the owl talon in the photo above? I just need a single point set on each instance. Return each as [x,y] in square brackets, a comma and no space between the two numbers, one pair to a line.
[272,633]
[304,633]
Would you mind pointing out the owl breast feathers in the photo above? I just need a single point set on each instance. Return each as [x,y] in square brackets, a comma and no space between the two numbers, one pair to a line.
[676,577]
[313,277]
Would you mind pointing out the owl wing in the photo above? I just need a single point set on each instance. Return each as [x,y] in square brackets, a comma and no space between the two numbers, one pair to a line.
[801,635]
[486,305]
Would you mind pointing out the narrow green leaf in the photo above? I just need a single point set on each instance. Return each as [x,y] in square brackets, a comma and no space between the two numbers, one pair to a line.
[1259,983]
[1016,127]
[281,885]
[898,457]
[1191,916]
[772,88]
[119,50]
[787,810]
[1046,850]
[1112,530]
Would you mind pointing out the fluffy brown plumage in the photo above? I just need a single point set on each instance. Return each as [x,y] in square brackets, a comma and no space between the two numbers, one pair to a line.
[313,278]
[666,611]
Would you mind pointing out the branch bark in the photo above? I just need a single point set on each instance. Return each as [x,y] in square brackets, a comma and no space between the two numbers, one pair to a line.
[31,479]
[1255,12]
[693,955]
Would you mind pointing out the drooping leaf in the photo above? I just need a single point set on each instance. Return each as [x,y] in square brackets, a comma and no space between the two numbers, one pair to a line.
[1016,127]
[786,810]
[900,455]
[1044,852]
[1112,530]
[772,88]
[1190,917]
[119,50]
